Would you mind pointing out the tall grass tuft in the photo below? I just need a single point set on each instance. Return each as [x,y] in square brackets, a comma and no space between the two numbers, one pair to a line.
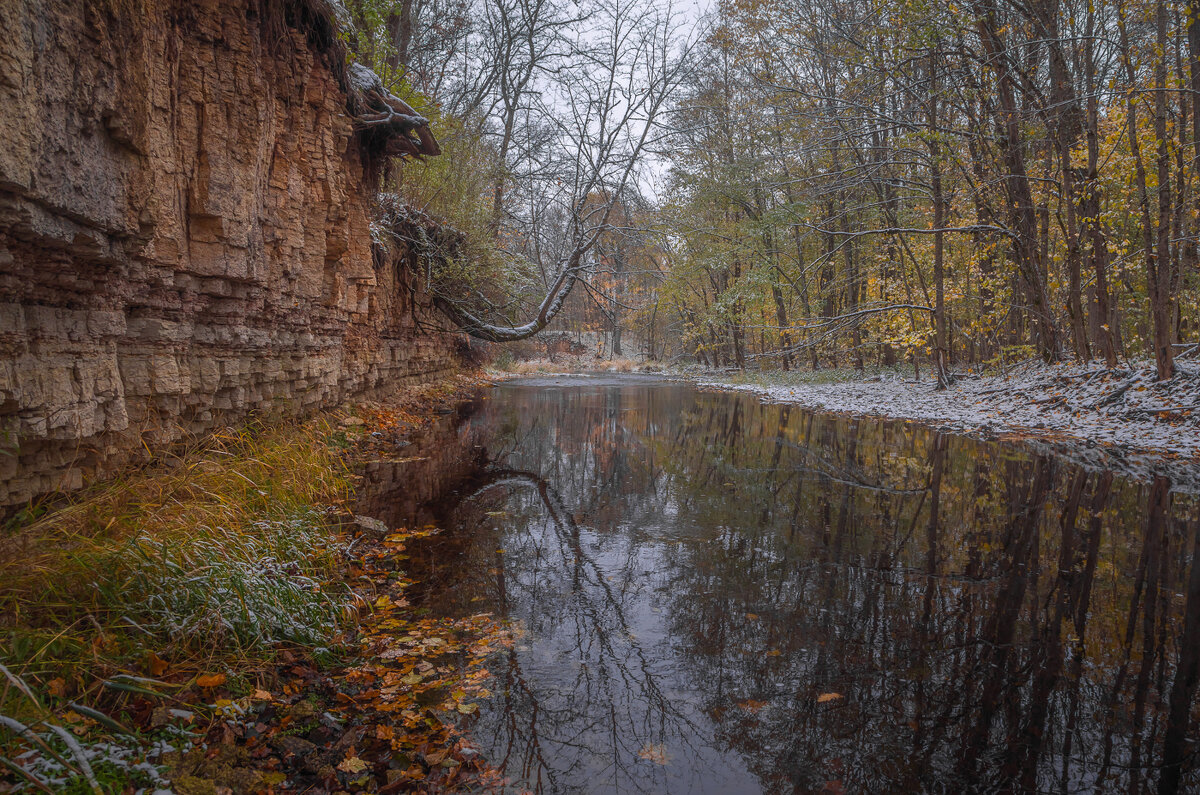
[235,588]
[221,548]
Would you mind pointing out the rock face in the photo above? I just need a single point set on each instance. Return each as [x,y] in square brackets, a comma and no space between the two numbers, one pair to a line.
[184,234]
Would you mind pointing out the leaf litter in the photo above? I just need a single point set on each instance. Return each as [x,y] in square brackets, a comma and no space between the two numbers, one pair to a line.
[388,708]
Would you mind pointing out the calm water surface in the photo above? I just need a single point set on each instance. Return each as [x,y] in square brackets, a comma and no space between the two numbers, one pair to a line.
[720,596]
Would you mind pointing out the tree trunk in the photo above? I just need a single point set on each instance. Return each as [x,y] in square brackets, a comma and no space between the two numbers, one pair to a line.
[785,339]
[1097,240]
[1023,221]
[1160,316]
[939,223]
[1164,327]
[400,30]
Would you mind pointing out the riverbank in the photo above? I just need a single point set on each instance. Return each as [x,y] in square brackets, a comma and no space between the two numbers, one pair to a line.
[1120,419]
[221,622]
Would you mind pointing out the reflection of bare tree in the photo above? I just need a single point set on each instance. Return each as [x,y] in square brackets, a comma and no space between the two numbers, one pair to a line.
[1145,605]
[808,598]
[1176,743]
[996,621]
[616,689]
[1019,563]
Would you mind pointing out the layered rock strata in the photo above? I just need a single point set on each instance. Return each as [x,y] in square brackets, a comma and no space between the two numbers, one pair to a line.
[185,234]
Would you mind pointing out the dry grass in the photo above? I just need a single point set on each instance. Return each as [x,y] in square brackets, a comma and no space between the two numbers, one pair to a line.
[81,584]
[207,562]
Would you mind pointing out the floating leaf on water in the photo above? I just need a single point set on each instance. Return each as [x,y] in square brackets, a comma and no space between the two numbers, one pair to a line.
[654,752]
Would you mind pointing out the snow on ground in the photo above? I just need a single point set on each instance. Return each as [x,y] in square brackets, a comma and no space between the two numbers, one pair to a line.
[1119,419]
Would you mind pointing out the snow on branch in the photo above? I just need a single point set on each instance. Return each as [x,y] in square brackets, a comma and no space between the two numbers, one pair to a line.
[388,119]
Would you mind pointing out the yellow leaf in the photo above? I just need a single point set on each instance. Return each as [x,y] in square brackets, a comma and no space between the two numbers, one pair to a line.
[826,697]
[210,680]
[352,764]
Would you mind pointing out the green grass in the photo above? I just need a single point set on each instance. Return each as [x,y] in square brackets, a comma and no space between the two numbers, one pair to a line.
[205,562]
[221,551]
[235,589]
[42,753]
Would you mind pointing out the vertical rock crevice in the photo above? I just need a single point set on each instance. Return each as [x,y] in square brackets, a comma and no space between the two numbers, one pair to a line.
[184,233]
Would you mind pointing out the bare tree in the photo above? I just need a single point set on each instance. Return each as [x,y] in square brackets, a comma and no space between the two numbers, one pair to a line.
[604,108]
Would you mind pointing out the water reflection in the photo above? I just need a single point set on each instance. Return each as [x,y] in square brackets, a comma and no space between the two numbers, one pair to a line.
[723,596]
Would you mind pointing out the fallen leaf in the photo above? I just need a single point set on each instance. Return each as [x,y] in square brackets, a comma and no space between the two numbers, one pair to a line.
[654,752]
[57,687]
[352,764]
[156,664]
[210,680]
[827,697]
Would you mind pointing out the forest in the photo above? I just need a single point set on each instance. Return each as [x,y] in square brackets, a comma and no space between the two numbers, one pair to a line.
[870,463]
[783,184]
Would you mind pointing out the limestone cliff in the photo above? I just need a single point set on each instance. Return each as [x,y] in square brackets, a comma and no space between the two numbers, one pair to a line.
[184,233]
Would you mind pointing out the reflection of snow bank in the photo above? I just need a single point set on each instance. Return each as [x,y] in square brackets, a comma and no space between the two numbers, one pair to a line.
[1120,419]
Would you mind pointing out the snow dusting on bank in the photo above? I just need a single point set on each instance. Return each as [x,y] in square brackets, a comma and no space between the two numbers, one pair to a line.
[1119,419]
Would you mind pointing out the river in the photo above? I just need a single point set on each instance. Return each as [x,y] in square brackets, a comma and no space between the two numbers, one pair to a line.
[717,595]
